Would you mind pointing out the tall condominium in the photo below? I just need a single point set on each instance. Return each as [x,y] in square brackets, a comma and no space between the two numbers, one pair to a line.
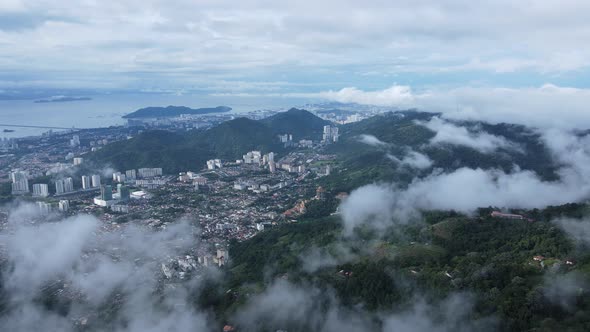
[60,187]
[44,208]
[124,192]
[96,181]
[86,182]
[106,193]
[69,185]
[330,134]
[40,190]
[20,182]
[63,186]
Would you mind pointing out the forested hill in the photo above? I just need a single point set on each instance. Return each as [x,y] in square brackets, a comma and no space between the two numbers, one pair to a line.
[301,123]
[176,152]
[171,111]
[448,253]
[398,136]
[229,140]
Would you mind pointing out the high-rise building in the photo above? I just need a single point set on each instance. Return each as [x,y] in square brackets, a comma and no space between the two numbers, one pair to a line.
[68,185]
[286,138]
[121,178]
[106,193]
[116,175]
[272,166]
[44,208]
[40,190]
[78,161]
[330,134]
[60,187]
[149,172]
[20,182]
[124,193]
[64,205]
[131,174]
[85,182]
[96,181]
[252,157]
[64,186]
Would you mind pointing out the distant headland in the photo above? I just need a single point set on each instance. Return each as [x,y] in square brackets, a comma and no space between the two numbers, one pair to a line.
[172,111]
[61,99]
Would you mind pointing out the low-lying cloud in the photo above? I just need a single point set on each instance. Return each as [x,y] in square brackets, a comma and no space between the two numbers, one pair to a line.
[78,260]
[466,189]
[412,159]
[284,305]
[371,140]
[449,133]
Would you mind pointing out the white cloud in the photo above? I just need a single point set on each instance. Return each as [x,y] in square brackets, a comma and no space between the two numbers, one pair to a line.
[380,206]
[548,106]
[132,40]
[447,132]
[77,255]
[417,160]
[412,159]
[395,95]
[371,140]
[371,204]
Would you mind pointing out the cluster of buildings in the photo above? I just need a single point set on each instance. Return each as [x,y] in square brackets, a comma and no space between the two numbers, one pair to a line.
[256,157]
[330,134]
[64,186]
[214,163]
[108,199]
[8,144]
[20,182]
[286,138]
[45,208]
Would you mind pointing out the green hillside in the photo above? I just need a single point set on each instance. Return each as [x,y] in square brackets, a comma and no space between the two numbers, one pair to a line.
[177,152]
[487,257]
[301,123]
[360,163]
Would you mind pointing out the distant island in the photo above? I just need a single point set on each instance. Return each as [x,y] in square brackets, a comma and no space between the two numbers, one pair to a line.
[61,99]
[172,111]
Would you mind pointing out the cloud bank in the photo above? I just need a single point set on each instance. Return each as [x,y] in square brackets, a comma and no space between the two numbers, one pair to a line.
[465,189]
[287,306]
[447,132]
[548,106]
[151,45]
[77,260]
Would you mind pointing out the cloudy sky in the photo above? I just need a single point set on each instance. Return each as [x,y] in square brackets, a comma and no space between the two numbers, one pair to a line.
[262,47]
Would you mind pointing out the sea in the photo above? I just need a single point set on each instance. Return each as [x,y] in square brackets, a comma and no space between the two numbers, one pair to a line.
[107,110]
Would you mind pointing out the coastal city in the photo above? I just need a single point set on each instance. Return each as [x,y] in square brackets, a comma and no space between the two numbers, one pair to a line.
[228,199]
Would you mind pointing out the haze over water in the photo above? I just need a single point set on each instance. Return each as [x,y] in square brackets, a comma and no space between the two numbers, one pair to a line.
[107,110]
